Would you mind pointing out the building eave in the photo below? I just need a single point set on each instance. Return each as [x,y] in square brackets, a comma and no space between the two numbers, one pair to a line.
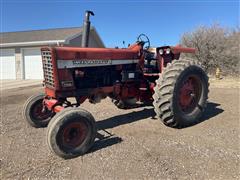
[32,43]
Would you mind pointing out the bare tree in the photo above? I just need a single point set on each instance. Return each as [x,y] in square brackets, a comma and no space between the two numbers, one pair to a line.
[216,47]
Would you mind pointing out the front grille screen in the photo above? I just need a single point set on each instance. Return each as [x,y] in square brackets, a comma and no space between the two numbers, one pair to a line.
[47,68]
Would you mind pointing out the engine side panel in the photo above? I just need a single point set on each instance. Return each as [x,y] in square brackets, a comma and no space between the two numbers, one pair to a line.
[93,72]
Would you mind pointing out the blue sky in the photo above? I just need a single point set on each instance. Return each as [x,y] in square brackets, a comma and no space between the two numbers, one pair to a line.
[163,21]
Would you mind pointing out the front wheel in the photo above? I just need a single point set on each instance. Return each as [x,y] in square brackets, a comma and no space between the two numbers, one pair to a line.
[35,113]
[71,133]
[181,93]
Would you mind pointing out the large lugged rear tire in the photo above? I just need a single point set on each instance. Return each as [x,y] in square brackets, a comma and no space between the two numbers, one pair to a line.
[181,93]
[34,113]
[71,132]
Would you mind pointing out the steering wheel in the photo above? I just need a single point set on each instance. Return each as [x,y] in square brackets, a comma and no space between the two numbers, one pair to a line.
[143,38]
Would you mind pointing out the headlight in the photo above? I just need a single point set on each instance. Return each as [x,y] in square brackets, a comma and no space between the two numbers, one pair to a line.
[161,51]
[168,50]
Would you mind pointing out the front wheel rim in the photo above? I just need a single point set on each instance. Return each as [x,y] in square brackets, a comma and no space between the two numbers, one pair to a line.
[39,112]
[73,134]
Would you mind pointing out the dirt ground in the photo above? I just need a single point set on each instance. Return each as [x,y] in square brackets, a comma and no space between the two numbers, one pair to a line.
[130,144]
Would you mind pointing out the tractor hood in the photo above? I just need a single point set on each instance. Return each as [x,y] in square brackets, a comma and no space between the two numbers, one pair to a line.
[75,53]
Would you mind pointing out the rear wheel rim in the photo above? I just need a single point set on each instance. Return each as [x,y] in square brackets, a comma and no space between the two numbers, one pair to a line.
[74,134]
[189,93]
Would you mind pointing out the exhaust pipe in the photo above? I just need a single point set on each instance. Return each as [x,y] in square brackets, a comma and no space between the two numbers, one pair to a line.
[86,28]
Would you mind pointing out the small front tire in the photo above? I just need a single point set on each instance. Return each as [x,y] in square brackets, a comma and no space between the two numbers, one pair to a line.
[34,112]
[71,133]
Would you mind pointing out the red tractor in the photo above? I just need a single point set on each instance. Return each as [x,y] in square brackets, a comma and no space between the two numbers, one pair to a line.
[177,88]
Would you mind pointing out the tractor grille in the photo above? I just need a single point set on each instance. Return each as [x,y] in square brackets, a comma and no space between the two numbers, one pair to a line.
[47,68]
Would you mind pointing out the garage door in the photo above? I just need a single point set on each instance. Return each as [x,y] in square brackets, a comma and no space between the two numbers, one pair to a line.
[7,64]
[32,64]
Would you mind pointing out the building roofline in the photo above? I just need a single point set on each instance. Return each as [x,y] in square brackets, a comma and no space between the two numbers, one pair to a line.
[31,43]
[94,33]
[66,40]
[97,37]
[41,29]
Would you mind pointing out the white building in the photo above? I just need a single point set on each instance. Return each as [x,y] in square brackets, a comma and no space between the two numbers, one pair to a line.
[20,51]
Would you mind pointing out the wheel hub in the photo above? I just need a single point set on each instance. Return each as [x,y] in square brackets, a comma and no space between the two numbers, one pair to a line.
[40,113]
[188,94]
[74,134]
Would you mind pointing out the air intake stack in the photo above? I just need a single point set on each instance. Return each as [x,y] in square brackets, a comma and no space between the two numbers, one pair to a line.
[86,28]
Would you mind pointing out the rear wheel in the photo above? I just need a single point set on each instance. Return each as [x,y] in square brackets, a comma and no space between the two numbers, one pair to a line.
[181,93]
[71,132]
[35,113]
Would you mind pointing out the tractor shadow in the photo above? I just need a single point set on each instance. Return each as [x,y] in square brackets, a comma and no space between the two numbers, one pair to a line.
[106,139]
[211,111]
[125,119]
